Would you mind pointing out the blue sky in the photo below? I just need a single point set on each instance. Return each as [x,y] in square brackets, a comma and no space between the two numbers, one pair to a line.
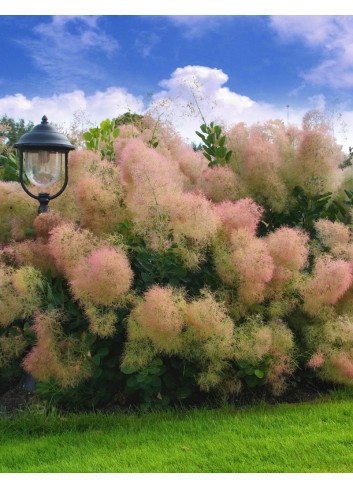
[240,67]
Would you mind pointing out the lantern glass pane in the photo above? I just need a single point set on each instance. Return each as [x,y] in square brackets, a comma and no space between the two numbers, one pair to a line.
[43,168]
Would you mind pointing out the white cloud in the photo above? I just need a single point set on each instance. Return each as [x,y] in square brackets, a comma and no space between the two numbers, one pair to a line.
[177,101]
[60,108]
[332,36]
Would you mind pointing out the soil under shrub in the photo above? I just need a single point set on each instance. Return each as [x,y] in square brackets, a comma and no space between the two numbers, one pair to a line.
[18,398]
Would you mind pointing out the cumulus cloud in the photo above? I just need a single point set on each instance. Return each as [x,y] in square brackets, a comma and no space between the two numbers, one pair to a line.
[60,108]
[331,36]
[194,90]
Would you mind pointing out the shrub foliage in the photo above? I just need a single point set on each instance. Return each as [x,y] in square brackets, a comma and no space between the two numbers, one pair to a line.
[166,274]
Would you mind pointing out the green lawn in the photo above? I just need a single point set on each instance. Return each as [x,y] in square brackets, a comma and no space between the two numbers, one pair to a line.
[311,437]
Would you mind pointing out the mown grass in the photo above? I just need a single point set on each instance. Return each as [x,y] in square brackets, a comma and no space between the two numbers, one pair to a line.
[308,437]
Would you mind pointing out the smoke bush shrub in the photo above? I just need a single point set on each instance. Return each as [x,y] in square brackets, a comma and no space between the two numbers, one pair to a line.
[156,277]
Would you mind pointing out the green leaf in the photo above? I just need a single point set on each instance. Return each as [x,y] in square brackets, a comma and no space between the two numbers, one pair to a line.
[243,364]
[87,136]
[91,338]
[209,150]
[200,135]
[128,370]
[148,279]
[153,370]
[217,130]
[211,138]
[157,362]
[96,359]
[222,140]
[228,155]
[221,152]
[338,205]
[203,128]
[116,133]
[259,373]
[251,381]
[143,379]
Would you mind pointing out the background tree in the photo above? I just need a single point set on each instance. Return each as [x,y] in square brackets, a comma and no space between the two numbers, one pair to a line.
[12,130]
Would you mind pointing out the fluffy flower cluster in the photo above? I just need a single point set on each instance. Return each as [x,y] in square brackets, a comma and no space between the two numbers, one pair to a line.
[271,159]
[243,213]
[269,346]
[11,347]
[200,330]
[253,265]
[102,277]
[99,274]
[161,316]
[336,237]
[289,251]
[20,293]
[17,211]
[158,205]
[100,198]
[331,349]
[220,183]
[328,283]
[55,355]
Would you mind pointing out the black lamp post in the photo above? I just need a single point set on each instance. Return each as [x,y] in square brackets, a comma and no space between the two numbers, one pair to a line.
[41,157]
